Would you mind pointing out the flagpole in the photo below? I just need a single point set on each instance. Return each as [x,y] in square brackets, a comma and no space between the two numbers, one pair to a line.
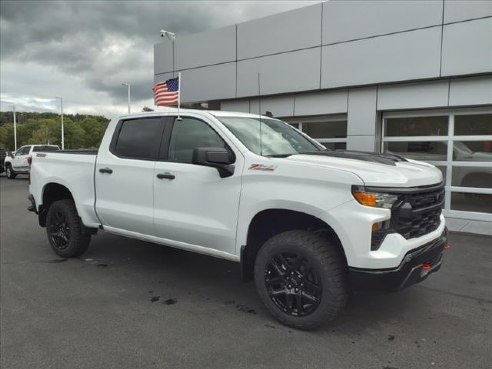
[179,93]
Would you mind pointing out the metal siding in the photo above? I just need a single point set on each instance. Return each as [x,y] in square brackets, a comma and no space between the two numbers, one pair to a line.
[455,10]
[321,103]
[235,105]
[208,83]
[467,47]
[279,106]
[413,95]
[371,18]
[361,143]
[403,56]
[471,91]
[296,29]
[163,57]
[206,48]
[362,111]
[290,72]
[163,77]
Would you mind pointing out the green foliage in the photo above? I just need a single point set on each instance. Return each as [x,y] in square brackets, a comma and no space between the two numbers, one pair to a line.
[81,131]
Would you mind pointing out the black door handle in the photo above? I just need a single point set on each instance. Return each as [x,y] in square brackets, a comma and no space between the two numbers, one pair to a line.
[106,170]
[166,176]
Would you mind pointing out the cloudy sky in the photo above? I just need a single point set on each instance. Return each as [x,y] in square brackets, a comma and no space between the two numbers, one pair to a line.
[84,50]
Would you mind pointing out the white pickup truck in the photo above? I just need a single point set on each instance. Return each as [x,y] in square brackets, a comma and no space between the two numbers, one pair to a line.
[309,225]
[18,163]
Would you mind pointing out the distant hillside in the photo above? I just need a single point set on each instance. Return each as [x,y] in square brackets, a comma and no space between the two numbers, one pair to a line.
[81,131]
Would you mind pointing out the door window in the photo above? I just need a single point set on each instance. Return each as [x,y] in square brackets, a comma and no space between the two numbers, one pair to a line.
[139,138]
[23,151]
[188,134]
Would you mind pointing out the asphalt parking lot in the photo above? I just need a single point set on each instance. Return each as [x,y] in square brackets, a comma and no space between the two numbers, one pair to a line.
[131,304]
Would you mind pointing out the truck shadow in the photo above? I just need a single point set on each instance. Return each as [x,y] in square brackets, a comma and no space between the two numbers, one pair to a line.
[170,274]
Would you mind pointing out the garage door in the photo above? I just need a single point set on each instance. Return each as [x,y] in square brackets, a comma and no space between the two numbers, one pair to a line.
[459,143]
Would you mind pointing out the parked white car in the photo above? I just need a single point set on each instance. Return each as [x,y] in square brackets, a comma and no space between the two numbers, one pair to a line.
[18,163]
[309,225]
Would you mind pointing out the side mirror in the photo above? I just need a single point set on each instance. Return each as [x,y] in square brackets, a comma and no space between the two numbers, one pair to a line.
[216,157]
[12,154]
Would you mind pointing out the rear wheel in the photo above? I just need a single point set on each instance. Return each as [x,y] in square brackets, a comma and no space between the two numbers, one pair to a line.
[301,278]
[9,172]
[65,230]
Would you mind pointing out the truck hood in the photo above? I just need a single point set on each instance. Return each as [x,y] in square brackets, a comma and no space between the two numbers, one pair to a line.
[375,169]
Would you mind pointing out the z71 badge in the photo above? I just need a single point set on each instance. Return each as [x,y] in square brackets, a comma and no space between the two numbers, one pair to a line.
[263,167]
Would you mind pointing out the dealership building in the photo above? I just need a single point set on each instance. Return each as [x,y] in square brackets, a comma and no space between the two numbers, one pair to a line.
[407,77]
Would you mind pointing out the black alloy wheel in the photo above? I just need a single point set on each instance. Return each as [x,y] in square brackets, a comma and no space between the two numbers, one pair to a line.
[67,235]
[59,230]
[292,284]
[301,277]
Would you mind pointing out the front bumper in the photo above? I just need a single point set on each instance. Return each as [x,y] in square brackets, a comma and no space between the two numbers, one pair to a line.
[416,266]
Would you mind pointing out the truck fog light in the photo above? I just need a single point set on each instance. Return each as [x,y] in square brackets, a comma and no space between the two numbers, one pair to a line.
[379,232]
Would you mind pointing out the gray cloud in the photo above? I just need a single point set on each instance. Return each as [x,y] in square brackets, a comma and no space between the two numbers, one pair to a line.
[104,43]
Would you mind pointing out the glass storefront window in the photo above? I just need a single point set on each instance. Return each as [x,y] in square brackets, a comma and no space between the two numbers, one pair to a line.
[417,126]
[471,202]
[478,177]
[480,124]
[325,129]
[330,131]
[335,145]
[469,158]
[418,150]
[472,150]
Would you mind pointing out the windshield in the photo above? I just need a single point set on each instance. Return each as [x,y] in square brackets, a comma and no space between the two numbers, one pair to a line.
[277,138]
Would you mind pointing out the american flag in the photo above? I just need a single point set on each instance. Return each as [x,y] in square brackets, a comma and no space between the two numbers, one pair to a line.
[166,93]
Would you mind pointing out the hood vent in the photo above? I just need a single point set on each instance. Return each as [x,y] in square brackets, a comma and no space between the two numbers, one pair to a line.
[388,159]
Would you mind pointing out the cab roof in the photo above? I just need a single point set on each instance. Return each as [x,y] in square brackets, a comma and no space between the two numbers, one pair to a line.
[172,111]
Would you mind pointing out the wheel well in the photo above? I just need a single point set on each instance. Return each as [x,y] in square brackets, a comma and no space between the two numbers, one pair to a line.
[268,223]
[52,192]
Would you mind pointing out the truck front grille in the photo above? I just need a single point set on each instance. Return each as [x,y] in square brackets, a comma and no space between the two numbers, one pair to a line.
[418,211]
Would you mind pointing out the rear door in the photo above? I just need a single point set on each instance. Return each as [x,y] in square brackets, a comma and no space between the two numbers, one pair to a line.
[124,175]
[19,162]
[193,204]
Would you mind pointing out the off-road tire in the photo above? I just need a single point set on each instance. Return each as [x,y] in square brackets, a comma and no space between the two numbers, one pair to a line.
[77,239]
[324,258]
[9,172]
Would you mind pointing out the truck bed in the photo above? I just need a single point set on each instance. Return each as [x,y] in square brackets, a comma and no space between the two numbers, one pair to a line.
[74,171]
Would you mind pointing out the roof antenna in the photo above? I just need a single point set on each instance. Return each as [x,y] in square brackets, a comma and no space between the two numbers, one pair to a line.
[259,112]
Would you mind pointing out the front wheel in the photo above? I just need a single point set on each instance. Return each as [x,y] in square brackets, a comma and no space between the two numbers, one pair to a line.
[301,278]
[9,172]
[65,230]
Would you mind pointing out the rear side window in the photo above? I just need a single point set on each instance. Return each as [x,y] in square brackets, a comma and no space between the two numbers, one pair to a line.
[139,138]
[45,148]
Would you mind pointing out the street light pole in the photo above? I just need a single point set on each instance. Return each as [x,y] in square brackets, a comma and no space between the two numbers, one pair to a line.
[171,36]
[62,128]
[128,86]
[15,129]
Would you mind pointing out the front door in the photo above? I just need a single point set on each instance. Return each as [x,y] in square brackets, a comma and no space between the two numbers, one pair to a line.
[19,162]
[193,204]
[125,175]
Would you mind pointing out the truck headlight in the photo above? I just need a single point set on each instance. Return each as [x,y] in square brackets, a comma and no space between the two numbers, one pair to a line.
[373,199]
